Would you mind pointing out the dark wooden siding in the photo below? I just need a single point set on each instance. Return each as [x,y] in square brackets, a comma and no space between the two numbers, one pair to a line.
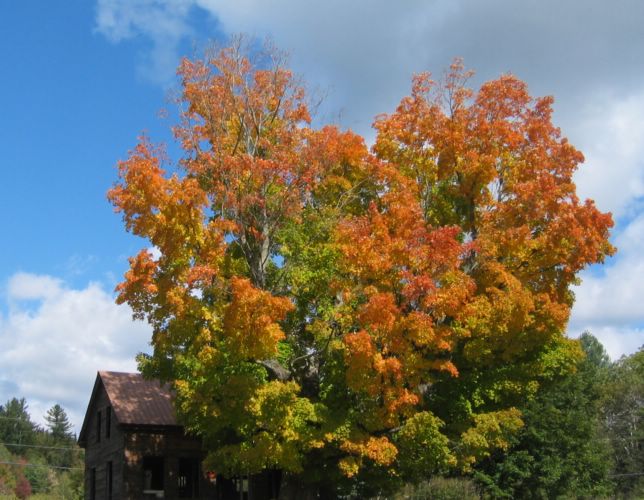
[108,449]
[172,445]
[159,438]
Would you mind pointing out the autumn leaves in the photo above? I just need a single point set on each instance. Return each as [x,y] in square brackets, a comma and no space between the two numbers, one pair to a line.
[408,294]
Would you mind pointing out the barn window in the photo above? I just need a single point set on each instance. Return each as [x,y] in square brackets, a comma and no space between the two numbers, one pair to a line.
[152,474]
[92,484]
[109,480]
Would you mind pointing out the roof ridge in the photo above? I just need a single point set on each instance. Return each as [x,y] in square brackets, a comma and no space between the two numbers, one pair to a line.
[121,373]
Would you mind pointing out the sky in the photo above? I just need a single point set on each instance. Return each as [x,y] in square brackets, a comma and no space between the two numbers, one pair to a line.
[82,79]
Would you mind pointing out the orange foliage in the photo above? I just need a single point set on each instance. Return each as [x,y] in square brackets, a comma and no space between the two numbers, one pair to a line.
[310,294]
[251,320]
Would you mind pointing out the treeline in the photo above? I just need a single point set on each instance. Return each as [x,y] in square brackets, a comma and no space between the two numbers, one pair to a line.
[37,462]
[583,438]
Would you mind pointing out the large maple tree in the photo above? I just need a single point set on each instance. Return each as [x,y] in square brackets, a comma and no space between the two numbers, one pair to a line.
[354,317]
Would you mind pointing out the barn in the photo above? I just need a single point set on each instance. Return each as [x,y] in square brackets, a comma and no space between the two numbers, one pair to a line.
[135,449]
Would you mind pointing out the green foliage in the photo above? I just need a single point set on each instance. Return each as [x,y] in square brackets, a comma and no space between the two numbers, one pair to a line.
[623,414]
[40,478]
[48,450]
[561,451]
[424,450]
[16,425]
[7,472]
[68,485]
[58,438]
[58,423]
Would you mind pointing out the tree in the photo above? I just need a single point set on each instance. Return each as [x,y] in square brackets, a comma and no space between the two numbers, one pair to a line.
[58,423]
[623,412]
[563,450]
[16,426]
[62,452]
[365,316]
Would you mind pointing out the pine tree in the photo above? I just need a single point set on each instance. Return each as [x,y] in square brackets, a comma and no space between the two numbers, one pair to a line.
[58,423]
[16,426]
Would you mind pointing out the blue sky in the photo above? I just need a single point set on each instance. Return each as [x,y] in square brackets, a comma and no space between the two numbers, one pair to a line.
[73,105]
[82,79]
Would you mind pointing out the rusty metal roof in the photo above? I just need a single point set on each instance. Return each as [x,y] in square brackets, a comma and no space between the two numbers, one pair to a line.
[135,401]
[138,401]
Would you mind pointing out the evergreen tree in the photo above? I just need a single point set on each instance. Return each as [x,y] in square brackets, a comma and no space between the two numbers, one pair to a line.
[561,452]
[623,409]
[60,437]
[16,426]
[58,423]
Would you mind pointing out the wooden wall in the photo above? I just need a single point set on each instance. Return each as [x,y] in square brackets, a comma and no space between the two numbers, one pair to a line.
[126,448]
[98,454]
[172,445]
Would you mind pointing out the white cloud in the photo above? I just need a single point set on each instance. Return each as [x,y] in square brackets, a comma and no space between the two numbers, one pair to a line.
[122,19]
[609,132]
[25,286]
[50,353]
[163,22]
[614,294]
[609,301]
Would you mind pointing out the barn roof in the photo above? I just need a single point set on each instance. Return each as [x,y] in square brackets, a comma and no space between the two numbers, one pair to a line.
[134,400]
[138,401]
